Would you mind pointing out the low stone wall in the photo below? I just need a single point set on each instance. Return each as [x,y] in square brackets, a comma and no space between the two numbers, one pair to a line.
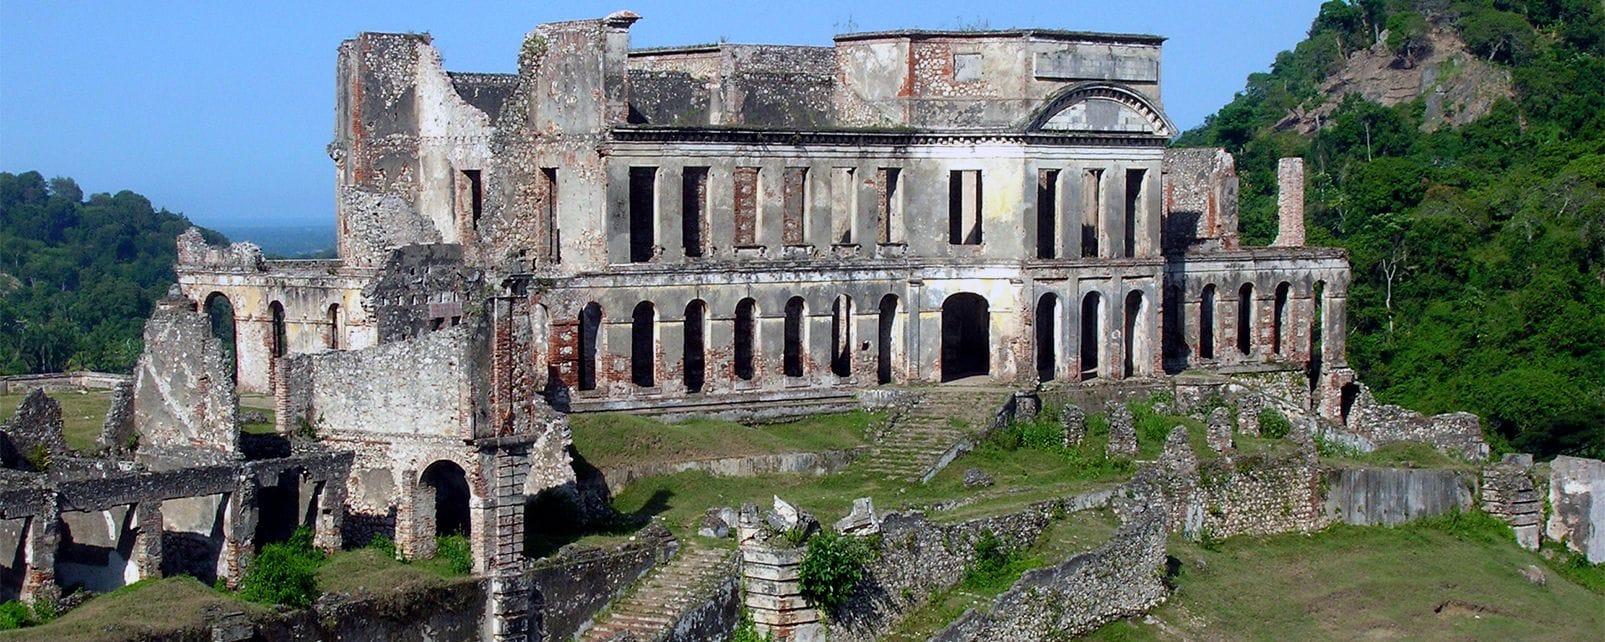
[716,616]
[1510,493]
[820,463]
[571,588]
[61,381]
[916,557]
[1457,433]
[1122,578]
[1392,496]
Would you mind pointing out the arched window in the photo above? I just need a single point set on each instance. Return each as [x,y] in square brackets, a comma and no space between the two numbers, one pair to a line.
[1047,336]
[1206,323]
[280,340]
[746,337]
[221,312]
[796,337]
[1091,335]
[332,338]
[1245,319]
[696,315]
[1279,317]
[841,336]
[590,332]
[1138,348]
[643,345]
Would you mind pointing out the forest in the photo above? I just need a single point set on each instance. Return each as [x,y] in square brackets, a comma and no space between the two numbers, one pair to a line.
[78,277]
[1478,251]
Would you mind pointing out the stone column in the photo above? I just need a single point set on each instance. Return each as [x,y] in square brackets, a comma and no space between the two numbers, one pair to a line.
[1290,203]
[239,530]
[147,554]
[412,542]
[774,593]
[40,542]
[327,532]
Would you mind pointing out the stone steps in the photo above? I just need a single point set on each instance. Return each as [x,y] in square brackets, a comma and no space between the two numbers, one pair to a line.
[917,439]
[659,598]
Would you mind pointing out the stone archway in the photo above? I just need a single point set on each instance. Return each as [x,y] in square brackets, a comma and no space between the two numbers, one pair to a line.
[966,337]
[443,495]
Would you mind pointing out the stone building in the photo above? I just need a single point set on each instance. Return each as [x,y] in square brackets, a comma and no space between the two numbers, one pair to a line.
[742,225]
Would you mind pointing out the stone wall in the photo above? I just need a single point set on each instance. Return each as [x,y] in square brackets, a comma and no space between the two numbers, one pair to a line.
[1255,494]
[1510,493]
[1458,434]
[421,385]
[1200,200]
[1392,496]
[573,586]
[1577,505]
[184,400]
[32,438]
[917,557]
[1122,578]
[60,381]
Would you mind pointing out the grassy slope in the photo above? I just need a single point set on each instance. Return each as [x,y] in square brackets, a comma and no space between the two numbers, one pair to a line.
[1350,583]
[82,414]
[611,439]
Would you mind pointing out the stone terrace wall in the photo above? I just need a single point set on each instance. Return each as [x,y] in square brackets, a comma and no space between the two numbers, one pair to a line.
[1391,496]
[916,557]
[1119,579]
[571,588]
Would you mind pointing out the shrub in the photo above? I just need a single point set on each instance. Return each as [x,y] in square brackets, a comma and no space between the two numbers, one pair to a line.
[384,545]
[284,573]
[14,615]
[995,566]
[455,550]
[1273,424]
[831,567]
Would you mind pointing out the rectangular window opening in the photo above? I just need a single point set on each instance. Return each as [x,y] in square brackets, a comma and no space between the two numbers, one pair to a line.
[1047,213]
[889,217]
[843,205]
[794,192]
[473,195]
[693,209]
[549,212]
[1092,187]
[746,206]
[964,207]
[643,213]
[1134,203]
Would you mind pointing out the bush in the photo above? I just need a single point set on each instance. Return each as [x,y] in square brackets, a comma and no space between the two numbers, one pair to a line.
[456,551]
[284,573]
[14,615]
[1273,424]
[831,567]
[996,566]
[383,544]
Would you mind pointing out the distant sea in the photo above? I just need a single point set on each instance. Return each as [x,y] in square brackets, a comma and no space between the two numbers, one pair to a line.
[304,240]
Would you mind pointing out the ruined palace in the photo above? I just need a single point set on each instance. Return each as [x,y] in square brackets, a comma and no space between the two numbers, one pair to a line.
[720,228]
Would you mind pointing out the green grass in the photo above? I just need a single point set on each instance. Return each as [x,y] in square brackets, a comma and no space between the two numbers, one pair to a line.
[148,609]
[1399,455]
[262,404]
[83,412]
[367,570]
[609,440]
[1454,577]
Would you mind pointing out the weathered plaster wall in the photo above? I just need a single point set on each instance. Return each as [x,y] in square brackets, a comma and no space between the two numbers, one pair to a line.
[1577,505]
[184,400]
[1392,496]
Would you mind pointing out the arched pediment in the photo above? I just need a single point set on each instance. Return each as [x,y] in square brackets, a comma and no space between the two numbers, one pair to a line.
[1100,108]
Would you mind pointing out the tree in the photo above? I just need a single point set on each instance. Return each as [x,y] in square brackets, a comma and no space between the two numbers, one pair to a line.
[1407,36]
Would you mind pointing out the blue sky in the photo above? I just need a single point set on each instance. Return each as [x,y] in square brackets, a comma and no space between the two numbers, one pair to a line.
[221,110]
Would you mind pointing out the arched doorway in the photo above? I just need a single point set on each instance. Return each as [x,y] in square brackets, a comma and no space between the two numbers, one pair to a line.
[841,336]
[590,331]
[1279,317]
[889,335]
[696,315]
[746,336]
[643,345]
[1047,336]
[443,489]
[1091,335]
[221,312]
[796,337]
[280,339]
[1137,346]
[966,337]
[1245,319]
[1206,323]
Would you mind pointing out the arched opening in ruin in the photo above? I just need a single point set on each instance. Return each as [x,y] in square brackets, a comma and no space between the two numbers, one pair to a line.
[966,337]
[1245,319]
[841,336]
[220,310]
[746,337]
[443,495]
[796,337]
[281,508]
[590,332]
[1348,394]
[331,337]
[1279,317]
[1047,336]
[643,345]
[1317,327]
[1206,323]
[1138,346]
[1091,335]
[889,339]
[695,331]
[278,343]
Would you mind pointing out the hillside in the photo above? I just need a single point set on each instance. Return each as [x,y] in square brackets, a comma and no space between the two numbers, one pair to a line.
[78,277]
[1457,151]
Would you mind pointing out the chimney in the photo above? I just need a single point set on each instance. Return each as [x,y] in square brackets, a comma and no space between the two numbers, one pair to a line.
[1290,203]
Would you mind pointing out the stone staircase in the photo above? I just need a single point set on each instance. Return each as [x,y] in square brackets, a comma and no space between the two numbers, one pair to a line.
[914,446]
[659,599]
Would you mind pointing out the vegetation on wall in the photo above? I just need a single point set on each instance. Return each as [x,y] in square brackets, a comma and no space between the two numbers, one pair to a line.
[1478,251]
[78,277]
